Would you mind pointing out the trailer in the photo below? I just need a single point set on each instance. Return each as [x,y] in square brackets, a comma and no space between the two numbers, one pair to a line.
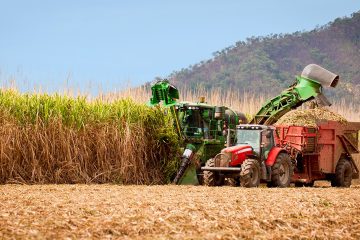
[324,152]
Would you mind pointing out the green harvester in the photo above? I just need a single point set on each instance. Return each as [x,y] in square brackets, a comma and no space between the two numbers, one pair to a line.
[202,128]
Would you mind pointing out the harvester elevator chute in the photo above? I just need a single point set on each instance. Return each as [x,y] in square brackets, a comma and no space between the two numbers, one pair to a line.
[307,87]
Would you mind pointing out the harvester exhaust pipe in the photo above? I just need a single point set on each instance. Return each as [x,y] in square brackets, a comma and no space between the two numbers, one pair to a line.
[320,75]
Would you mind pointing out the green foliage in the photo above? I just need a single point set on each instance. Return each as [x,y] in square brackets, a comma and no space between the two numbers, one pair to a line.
[75,112]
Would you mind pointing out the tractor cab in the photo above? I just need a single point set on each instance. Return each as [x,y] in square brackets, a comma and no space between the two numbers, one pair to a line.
[259,137]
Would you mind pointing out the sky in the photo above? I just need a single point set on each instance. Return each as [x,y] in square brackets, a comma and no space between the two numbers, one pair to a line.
[108,45]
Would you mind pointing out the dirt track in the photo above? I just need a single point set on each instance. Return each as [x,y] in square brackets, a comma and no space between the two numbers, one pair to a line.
[179,212]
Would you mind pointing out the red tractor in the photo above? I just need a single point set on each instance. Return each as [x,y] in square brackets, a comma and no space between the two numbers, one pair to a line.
[257,155]
[284,154]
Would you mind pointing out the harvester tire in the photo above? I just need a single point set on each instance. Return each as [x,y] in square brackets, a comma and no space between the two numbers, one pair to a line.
[250,173]
[343,174]
[212,178]
[281,171]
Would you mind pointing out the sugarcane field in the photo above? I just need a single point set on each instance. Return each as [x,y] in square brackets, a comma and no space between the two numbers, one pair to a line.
[63,178]
[105,135]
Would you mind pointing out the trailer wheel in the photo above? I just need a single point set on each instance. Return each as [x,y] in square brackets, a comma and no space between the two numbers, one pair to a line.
[343,174]
[250,173]
[281,171]
[212,178]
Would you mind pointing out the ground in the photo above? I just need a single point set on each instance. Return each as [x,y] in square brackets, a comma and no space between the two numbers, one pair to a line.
[177,212]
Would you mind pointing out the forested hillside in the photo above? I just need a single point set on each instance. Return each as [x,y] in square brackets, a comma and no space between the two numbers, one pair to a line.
[269,64]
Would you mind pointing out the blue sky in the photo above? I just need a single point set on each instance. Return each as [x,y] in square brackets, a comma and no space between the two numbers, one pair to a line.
[108,44]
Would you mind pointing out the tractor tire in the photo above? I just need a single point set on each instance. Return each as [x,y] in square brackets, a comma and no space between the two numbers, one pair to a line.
[343,174]
[281,171]
[250,173]
[212,178]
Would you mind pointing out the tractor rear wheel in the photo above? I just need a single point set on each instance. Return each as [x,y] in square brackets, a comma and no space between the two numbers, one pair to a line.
[281,171]
[212,178]
[250,173]
[343,174]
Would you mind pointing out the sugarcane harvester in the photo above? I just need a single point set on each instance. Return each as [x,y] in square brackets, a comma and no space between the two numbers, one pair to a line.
[201,128]
[260,153]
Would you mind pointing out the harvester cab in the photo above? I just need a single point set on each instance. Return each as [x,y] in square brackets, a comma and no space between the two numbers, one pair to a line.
[200,127]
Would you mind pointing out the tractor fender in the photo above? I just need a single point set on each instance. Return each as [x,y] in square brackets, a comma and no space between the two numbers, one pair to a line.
[274,152]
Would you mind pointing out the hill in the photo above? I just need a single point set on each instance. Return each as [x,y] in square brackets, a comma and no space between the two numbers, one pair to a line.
[267,65]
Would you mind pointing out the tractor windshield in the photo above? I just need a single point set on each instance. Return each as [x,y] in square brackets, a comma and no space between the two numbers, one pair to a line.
[250,137]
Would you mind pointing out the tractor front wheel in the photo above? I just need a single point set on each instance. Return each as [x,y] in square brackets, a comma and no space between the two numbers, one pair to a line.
[250,173]
[212,178]
[281,171]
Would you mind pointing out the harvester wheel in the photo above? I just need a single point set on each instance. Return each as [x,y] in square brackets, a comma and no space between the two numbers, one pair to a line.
[343,174]
[281,171]
[250,173]
[212,178]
